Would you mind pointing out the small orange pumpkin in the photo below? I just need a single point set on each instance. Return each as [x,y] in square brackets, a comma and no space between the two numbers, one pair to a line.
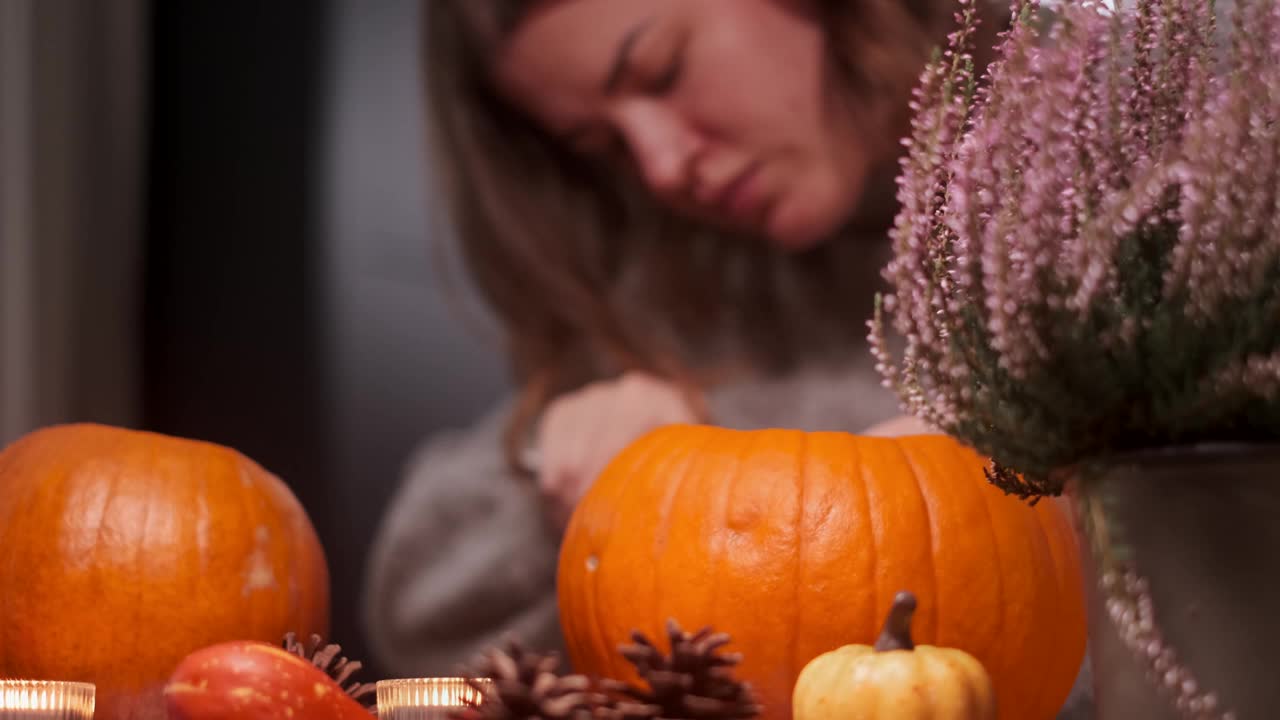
[121,552]
[794,543]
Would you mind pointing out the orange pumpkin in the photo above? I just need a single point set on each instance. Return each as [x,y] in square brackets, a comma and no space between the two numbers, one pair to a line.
[794,543]
[121,552]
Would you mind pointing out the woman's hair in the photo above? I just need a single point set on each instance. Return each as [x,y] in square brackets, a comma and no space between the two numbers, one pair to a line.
[589,277]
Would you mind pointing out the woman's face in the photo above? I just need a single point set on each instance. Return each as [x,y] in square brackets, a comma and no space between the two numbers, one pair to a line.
[720,106]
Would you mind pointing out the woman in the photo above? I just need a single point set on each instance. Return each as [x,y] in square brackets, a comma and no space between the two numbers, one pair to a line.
[677,209]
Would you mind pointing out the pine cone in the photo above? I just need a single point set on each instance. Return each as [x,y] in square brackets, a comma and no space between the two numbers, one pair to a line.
[341,670]
[692,683]
[527,685]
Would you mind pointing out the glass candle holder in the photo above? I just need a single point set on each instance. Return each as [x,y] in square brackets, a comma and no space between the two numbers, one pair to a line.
[426,698]
[46,700]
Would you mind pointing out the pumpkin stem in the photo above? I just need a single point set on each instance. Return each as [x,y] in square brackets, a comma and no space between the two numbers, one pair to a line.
[896,633]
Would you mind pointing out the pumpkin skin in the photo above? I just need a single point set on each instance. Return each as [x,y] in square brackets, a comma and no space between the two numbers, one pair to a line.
[894,679]
[794,543]
[255,681]
[132,549]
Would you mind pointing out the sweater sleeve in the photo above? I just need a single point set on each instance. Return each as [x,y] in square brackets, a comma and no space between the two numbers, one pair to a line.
[848,398]
[464,558]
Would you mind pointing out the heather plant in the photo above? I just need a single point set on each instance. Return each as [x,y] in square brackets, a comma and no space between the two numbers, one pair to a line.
[1087,256]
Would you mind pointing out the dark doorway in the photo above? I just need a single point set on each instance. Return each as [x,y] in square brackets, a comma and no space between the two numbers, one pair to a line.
[233,327]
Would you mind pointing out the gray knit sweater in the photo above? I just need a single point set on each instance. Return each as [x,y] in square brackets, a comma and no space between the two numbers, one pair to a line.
[466,558]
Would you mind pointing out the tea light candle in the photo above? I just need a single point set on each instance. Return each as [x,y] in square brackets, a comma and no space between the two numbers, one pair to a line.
[46,700]
[425,698]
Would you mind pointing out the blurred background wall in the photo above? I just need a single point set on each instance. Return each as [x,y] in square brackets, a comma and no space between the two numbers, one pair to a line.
[73,86]
[408,350]
[216,223]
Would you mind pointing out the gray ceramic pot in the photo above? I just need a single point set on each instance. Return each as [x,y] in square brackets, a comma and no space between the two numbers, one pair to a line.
[1183,551]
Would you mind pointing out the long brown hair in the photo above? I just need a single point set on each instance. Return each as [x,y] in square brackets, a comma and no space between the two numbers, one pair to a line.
[588,277]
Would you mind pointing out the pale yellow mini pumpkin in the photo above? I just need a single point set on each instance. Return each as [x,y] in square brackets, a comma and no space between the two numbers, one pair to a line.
[894,679]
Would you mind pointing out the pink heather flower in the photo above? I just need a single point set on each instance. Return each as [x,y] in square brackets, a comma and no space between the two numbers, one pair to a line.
[1087,254]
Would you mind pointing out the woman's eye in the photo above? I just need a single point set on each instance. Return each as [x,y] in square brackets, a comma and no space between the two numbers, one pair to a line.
[667,80]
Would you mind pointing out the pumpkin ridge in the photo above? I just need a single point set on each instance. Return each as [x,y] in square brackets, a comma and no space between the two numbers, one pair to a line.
[12,557]
[139,557]
[595,643]
[34,504]
[279,556]
[108,498]
[1061,532]
[660,465]
[919,479]
[284,563]
[1003,709]
[802,479]
[251,523]
[644,464]
[990,529]
[1056,627]
[201,530]
[663,532]
[718,552]
[260,519]
[855,443]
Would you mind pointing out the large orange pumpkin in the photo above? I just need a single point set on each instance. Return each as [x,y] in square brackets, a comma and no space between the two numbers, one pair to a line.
[121,552]
[795,544]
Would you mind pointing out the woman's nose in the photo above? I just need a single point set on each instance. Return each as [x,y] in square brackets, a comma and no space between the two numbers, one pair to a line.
[662,146]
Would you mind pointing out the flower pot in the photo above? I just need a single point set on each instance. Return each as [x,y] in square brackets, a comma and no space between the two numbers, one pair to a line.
[1182,547]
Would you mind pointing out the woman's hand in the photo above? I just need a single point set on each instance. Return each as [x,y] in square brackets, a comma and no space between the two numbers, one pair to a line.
[581,431]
